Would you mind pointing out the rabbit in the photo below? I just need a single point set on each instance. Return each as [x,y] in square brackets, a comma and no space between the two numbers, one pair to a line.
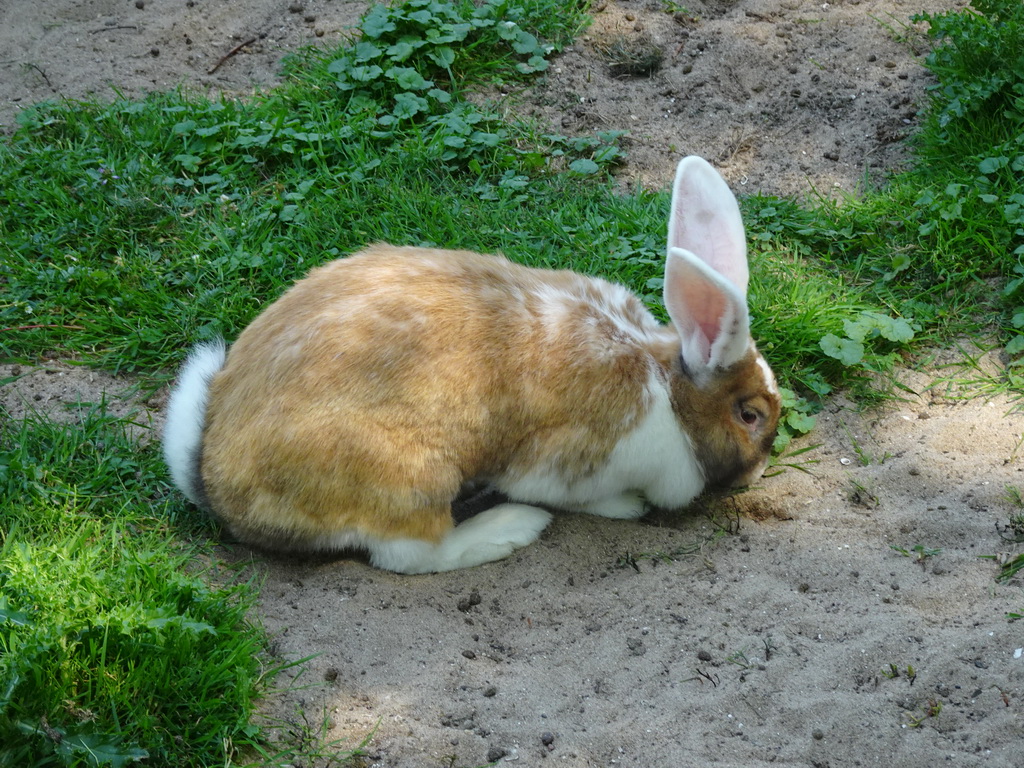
[352,410]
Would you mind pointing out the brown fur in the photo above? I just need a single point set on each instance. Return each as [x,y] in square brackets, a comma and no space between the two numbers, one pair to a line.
[373,390]
[731,452]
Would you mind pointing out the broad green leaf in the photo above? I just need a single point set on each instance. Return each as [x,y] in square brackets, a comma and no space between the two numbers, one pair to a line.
[377,22]
[408,105]
[340,65]
[801,422]
[365,51]
[365,73]
[443,56]
[846,351]
[99,750]
[584,166]
[408,79]
[401,51]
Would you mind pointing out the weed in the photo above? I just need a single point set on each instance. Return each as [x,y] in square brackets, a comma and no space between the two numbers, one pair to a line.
[739,658]
[930,709]
[850,349]
[864,456]
[306,741]
[1009,565]
[893,672]
[798,418]
[782,461]
[863,495]
[671,7]
[918,552]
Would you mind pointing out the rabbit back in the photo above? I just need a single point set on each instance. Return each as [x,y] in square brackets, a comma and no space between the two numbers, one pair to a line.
[362,400]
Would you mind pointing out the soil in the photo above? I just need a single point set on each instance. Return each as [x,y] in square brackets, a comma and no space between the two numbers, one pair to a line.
[783,625]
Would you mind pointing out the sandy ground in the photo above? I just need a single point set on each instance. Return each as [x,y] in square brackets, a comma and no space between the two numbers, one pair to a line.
[781,626]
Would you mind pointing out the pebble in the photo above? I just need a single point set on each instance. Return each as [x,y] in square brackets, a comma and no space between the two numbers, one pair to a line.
[817,734]
[547,738]
[703,655]
[494,754]
[466,603]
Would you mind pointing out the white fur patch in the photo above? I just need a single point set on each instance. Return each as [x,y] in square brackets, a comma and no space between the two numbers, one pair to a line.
[491,535]
[186,414]
[614,303]
[656,459]
[769,376]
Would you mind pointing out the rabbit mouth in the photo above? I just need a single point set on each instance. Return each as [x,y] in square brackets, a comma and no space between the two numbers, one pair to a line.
[751,476]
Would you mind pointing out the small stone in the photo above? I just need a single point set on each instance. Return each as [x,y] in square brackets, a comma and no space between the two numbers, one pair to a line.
[494,754]
[309,18]
[703,655]
[547,738]
[140,4]
[490,692]
[319,33]
[154,52]
[817,734]
[468,602]
[331,674]
[295,8]
[469,654]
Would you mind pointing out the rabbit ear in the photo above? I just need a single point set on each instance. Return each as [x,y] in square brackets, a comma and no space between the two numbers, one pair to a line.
[706,269]
[708,311]
[705,220]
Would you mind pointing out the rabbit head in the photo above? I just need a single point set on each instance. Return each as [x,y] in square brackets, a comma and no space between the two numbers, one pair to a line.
[725,392]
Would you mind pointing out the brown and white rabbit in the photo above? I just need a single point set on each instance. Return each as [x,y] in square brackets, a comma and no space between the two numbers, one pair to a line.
[352,411]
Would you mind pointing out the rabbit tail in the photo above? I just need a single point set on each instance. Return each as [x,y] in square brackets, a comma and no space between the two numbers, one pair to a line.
[186,418]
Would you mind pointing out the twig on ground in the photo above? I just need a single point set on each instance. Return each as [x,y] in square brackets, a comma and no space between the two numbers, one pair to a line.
[38,69]
[231,53]
[110,29]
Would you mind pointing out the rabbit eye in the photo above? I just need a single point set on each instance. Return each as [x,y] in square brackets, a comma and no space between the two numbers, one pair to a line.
[749,416]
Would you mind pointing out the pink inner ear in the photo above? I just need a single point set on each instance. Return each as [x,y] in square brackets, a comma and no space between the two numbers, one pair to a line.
[706,308]
[708,311]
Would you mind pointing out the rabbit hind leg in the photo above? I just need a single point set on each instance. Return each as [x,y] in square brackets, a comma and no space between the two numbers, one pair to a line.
[490,535]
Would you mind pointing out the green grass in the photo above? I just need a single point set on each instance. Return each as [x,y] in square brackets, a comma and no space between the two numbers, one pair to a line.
[104,610]
[130,230]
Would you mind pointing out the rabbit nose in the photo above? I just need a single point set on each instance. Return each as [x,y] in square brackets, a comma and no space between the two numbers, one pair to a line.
[752,475]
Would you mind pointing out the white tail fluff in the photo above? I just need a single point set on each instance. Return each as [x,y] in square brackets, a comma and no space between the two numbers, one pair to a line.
[186,415]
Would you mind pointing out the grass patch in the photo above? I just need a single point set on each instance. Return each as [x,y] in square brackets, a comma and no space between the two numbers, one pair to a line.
[114,643]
